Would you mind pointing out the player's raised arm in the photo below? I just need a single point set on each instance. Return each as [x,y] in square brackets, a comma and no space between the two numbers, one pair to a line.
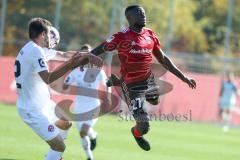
[98,50]
[169,65]
[109,44]
[75,61]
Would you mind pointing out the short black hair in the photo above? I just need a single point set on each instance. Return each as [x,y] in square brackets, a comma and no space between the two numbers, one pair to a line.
[36,26]
[131,7]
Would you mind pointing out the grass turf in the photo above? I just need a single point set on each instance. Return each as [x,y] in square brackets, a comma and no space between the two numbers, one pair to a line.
[169,141]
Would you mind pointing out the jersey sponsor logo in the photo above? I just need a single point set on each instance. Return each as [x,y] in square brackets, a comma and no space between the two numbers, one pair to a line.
[110,39]
[51,128]
[41,62]
[140,51]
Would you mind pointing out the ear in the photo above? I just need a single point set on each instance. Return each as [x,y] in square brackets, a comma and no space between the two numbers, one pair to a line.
[128,17]
[43,34]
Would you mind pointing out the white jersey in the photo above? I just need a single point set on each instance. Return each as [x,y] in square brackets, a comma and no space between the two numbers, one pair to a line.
[32,91]
[86,79]
[49,53]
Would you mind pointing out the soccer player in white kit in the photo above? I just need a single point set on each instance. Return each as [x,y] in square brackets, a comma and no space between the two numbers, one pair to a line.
[32,79]
[85,104]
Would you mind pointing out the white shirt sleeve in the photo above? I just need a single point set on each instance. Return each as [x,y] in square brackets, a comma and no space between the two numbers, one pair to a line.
[39,61]
[49,53]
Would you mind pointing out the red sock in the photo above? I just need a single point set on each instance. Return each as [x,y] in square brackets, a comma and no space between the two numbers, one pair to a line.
[136,133]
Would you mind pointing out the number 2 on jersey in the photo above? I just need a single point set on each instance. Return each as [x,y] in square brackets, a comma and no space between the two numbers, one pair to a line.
[17,68]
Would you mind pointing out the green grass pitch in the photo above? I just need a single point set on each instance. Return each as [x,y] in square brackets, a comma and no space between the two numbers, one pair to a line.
[169,141]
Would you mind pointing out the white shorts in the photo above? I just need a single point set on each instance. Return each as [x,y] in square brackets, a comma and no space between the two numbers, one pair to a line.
[90,123]
[40,123]
[49,111]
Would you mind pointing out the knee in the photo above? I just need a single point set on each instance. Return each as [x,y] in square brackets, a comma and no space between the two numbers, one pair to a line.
[143,127]
[84,130]
[83,133]
[60,147]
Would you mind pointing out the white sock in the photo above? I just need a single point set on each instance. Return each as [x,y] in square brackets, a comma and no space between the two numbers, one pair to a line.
[54,155]
[86,146]
[91,133]
[226,119]
[64,133]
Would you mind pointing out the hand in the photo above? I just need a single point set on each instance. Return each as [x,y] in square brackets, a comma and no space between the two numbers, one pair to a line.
[78,59]
[97,61]
[191,82]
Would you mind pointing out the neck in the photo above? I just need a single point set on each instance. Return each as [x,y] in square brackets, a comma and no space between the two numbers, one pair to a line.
[137,29]
[38,42]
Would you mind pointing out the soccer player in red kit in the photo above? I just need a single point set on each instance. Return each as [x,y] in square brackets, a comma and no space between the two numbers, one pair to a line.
[136,46]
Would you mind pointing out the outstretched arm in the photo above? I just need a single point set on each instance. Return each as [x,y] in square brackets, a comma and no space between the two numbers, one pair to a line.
[64,56]
[75,61]
[98,50]
[169,65]
[78,59]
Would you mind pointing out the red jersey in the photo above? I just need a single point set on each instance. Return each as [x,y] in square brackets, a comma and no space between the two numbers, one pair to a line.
[135,51]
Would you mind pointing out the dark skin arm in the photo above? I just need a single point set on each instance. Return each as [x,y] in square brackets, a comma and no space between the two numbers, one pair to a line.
[163,59]
[168,64]
[98,50]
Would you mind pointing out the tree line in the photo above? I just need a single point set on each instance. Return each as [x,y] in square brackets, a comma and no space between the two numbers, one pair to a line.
[197,27]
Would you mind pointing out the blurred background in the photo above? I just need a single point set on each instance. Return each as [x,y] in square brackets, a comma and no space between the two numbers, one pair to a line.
[202,37]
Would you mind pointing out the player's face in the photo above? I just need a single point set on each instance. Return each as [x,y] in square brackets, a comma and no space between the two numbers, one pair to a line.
[139,17]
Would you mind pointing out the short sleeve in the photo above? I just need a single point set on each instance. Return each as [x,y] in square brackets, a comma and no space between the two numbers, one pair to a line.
[38,60]
[49,53]
[70,78]
[157,45]
[112,42]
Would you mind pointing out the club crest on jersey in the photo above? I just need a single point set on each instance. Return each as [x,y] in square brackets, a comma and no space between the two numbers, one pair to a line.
[110,39]
[51,128]
[133,43]
[41,62]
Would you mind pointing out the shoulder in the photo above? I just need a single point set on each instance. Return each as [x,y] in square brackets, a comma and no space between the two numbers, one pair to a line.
[33,52]
[118,35]
[124,30]
[32,47]
[37,50]
[150,31]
